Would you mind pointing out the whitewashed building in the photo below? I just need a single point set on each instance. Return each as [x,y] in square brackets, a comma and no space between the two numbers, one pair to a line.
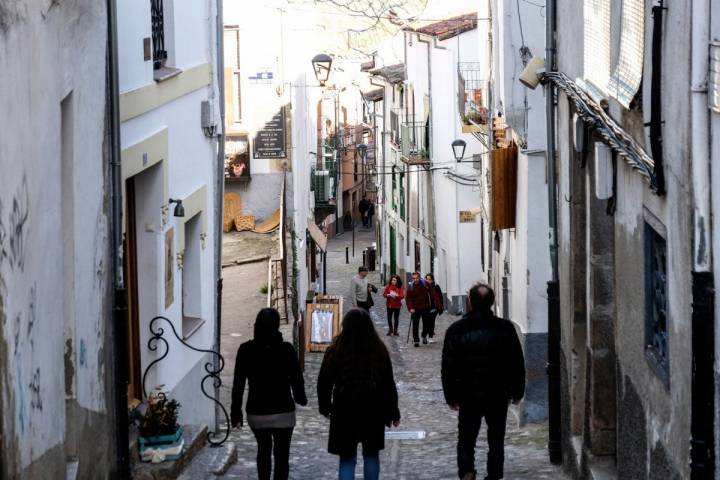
[57,404]
[518,261]
[172,175]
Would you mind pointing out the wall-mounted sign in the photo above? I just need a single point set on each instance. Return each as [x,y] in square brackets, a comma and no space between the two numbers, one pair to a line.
[237,158]
[265,76]
[467,216]
[270,140]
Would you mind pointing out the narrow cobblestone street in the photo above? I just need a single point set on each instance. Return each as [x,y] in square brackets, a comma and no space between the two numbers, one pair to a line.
[417,373]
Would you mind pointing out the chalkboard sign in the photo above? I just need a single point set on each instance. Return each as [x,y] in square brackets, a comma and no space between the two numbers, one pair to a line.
[270,140]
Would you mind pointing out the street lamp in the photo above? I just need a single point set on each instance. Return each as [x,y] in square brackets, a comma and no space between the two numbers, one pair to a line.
[458,147]
[321,66]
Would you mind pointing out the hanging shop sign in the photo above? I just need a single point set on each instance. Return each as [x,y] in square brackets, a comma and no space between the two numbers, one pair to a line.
[270,139]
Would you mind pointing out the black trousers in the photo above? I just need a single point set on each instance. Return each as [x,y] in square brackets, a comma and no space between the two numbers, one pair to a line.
[429,324]
[415,317]
[494,411]
[393,312]
[364,305]
[275,441]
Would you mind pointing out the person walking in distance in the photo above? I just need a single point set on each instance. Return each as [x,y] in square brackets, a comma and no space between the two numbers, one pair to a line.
[394,294]
[436,306]
[483,370]
[360,290]
[418,301]
[363,209]
[271,368]
[370,213]
[356,390]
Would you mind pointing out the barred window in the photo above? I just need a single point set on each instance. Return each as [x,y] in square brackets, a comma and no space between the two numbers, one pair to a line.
[656,315]
[157,18]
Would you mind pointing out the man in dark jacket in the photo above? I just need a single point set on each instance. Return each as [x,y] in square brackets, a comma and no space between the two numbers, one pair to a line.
[419,299]
[483,370]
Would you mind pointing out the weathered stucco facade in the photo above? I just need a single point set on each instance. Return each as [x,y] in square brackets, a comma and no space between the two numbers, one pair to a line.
[626,407]
[56,402]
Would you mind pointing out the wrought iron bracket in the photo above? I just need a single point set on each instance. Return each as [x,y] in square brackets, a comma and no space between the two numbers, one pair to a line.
[213,372]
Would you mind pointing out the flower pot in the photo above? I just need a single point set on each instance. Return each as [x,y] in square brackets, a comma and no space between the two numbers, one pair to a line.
[161,441]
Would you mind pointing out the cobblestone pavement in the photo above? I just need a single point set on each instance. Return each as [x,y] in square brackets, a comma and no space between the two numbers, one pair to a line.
[417,373]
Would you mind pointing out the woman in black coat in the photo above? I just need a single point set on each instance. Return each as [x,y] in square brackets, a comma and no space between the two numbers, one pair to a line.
[272,370]
[356,390]
[436,308]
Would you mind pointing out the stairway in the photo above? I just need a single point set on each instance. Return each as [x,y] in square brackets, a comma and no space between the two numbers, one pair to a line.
[195,451]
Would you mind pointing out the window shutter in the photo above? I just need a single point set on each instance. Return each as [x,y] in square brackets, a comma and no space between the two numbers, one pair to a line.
[597,43]
[627,77]
[503,173]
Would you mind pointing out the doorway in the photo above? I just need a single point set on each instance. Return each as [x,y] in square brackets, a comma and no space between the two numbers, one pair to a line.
[131,282]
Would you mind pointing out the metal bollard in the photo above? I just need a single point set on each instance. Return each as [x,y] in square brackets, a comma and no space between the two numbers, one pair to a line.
[347,255]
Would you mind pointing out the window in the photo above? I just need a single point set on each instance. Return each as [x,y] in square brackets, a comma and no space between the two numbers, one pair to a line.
[656,321]
[418,263]
[402,195]
[191,279]
[393,197]
[394,128]
[157,18]
[232,71]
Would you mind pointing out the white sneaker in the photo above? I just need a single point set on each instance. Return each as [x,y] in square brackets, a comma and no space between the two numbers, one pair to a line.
[431,340]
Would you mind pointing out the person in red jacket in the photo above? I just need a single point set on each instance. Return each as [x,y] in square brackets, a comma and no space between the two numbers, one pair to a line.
[419,299]
[394,295]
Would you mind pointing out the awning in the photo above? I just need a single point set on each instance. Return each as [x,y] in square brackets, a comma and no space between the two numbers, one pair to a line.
[318,236]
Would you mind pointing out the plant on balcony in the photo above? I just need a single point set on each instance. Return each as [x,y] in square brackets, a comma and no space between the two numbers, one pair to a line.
[479,118]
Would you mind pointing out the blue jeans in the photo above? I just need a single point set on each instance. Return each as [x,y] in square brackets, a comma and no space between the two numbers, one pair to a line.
[371,464]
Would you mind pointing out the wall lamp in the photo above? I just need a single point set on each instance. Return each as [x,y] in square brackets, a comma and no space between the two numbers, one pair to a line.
[179,209]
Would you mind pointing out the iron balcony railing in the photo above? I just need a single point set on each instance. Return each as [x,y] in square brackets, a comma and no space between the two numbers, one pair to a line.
[157,21]
[415,143]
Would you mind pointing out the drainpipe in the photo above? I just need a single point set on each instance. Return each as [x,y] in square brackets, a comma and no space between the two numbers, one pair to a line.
[219,187]
[553,289]
[119,301]
[702,462]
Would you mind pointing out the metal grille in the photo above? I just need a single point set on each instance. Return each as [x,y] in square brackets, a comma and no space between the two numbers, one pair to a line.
[627,77]
[656,292]
[473,93]
[158,33]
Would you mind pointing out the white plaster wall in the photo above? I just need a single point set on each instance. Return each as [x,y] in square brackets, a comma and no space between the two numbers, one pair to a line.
[190,165]
[41,66]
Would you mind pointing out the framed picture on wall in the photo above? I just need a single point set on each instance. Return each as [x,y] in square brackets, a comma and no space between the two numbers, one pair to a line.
[237,158]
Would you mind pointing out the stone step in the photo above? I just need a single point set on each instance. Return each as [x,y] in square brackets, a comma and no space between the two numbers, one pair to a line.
[195,439]
[215,460]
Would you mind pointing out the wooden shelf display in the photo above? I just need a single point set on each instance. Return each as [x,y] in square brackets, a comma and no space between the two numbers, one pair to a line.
[323,322]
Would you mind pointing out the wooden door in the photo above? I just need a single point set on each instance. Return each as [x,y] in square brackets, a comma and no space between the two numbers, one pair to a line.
[131,284]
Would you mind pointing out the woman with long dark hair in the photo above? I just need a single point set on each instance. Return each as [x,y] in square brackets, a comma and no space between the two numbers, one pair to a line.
[394,294]
[276,383]
[436,307]
[357,391]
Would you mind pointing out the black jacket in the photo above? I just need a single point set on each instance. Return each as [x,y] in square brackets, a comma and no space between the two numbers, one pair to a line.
[482,359]
[358,411]
[436,300]
[272,370]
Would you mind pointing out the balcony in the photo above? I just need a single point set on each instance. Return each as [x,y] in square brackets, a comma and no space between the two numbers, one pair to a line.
[322,183]
[415,143]
[473,96]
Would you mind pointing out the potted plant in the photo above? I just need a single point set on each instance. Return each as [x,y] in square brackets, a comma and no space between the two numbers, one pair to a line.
[158,426]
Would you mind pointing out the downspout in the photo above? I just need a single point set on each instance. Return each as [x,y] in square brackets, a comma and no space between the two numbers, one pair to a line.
[119,301]
[406,200]
[553,288]
[219,186]
[702,419]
